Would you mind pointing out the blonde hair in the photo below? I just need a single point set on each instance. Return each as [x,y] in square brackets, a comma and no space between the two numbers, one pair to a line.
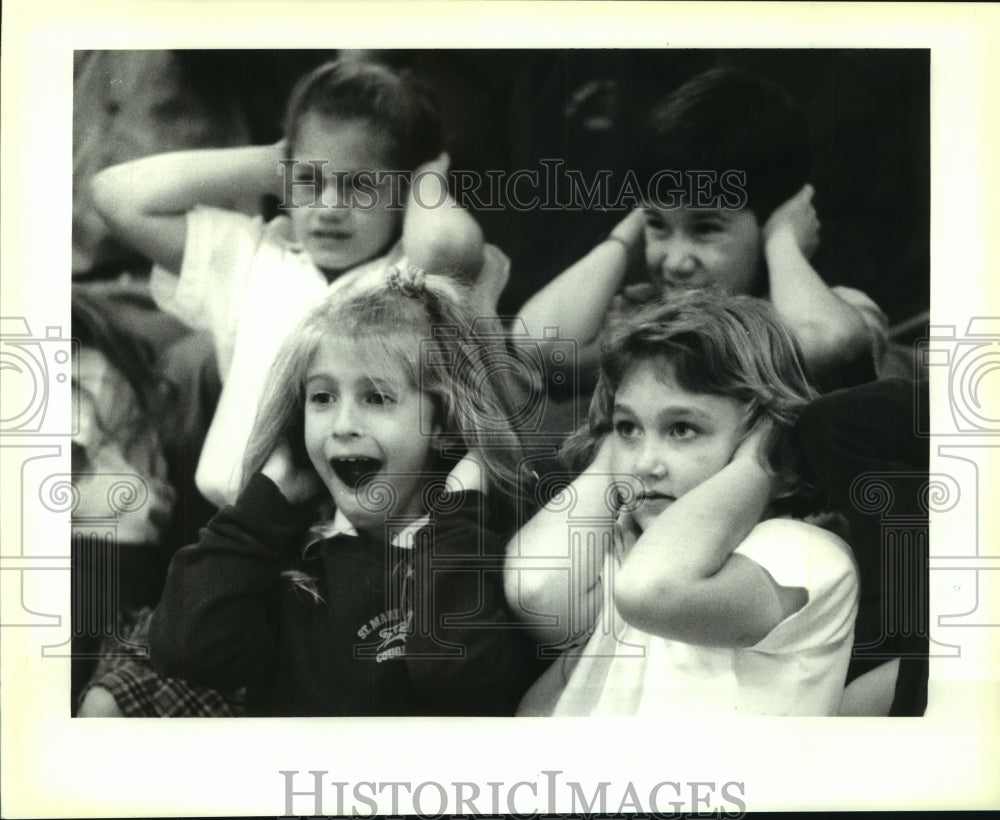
[418,322]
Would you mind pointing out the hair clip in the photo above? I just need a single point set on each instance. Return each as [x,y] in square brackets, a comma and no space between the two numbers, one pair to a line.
[410,281]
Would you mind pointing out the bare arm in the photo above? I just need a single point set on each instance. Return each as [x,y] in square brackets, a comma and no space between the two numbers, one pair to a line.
[827,328]
[543,577]
[145,201]
[681,580]
[442,237]
[578,299]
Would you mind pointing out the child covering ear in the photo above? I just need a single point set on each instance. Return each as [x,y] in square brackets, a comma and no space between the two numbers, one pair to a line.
[724,160]
[685,585]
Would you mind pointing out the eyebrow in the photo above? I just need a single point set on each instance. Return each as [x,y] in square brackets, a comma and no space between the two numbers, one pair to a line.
[688,215]
[319,377]
[672,412]
[708,213]
[361,383]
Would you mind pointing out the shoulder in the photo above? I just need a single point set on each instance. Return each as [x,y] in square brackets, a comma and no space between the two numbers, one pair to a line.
[796,553]
[782,533]
[223,219]
[460,522]
[238,234]
[278,231]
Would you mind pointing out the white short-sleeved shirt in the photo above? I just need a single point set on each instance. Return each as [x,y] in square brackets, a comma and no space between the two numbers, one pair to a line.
[248,283]
[799,668]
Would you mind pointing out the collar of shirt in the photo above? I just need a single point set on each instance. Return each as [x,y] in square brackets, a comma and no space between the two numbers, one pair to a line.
[404,538]
[328,529]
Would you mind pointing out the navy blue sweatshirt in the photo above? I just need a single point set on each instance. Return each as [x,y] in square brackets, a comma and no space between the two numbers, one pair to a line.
[419,631]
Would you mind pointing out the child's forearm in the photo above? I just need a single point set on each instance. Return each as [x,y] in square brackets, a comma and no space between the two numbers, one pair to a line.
[826,327]
[669,573]
[215,621]
[175,182]
[578,299]
[541,571]
[697,533]
[145,201]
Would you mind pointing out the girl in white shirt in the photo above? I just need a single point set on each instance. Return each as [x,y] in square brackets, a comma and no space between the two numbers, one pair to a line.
[671,574]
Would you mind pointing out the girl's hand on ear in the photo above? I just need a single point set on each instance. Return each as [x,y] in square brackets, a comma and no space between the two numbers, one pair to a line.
[468,474]
[753,451]
[440,165]
[631,232]
[756,445]
[431,179]
[297,486]
[796,217]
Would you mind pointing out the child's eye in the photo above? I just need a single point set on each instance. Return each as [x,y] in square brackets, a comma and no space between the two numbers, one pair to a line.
[681,429]
[626,429]
[305,172]
[380,399]
[656,223]
[320,397]
[707,227]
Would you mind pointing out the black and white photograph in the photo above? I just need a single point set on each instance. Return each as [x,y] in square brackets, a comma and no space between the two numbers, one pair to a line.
[396,400]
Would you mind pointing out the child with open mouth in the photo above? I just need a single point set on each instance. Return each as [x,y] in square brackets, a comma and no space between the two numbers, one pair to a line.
[357,573]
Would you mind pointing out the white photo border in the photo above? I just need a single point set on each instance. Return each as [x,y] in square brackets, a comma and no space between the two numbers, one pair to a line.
[55,766]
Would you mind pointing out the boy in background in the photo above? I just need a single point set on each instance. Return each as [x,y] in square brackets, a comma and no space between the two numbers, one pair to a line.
[724,163]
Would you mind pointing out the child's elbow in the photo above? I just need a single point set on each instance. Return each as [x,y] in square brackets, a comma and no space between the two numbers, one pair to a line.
[104,191]
[536,597]
[521,590]
[111,193]
[645,601]
[828,346]
[849,335]
[458,251]
[631,595]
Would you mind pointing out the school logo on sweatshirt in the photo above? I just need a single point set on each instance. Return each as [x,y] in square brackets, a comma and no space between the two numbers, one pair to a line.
[391,629]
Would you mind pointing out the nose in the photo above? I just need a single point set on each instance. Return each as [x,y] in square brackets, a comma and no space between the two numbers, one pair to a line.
[336,196]
[679,260]
[649,462]
[346,421]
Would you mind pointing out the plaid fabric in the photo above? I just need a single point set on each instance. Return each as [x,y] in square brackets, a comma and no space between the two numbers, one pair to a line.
[140,691]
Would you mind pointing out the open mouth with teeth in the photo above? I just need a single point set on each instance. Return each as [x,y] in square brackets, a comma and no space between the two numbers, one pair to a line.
[356,469]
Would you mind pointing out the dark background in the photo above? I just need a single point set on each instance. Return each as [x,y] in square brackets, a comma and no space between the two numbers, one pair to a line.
[868,112]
